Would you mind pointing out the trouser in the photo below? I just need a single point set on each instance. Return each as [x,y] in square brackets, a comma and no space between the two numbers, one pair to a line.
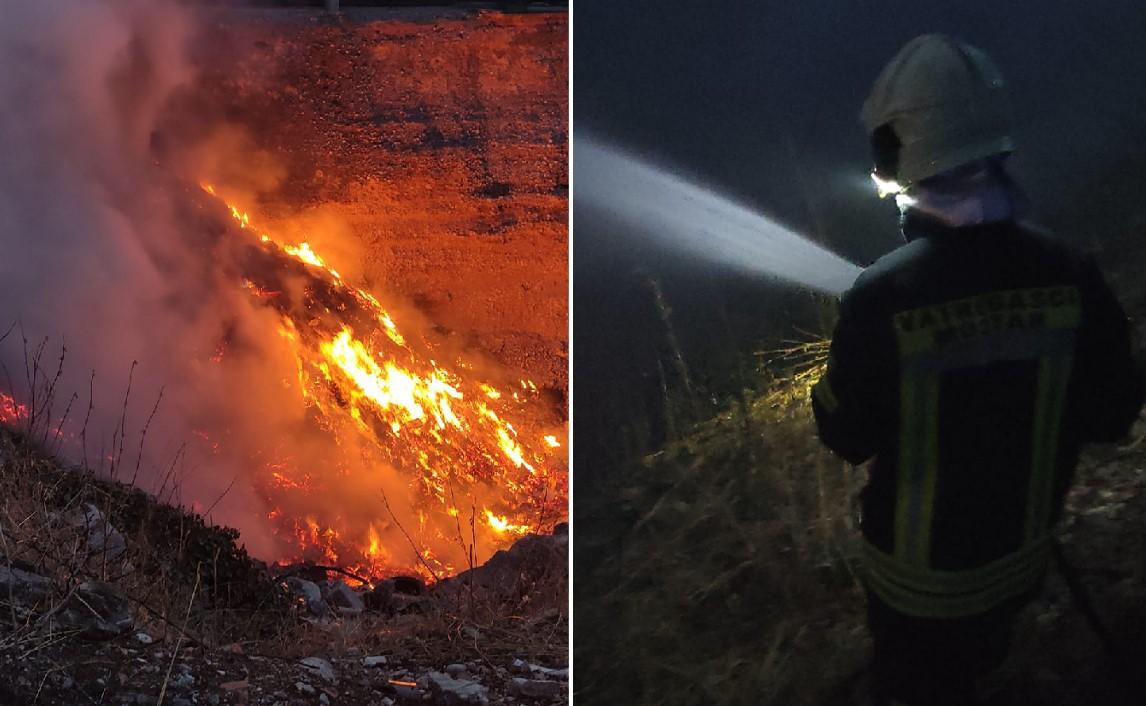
[935,662]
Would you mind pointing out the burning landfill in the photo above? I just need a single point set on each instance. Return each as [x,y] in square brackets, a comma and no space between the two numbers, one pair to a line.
[316,412]
[361,378]
[303,276]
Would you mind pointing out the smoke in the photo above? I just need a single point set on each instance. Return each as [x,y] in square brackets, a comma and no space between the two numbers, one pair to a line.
[96,258]
[699,221]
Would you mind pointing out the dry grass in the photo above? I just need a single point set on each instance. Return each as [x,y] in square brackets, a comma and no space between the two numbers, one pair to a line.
[187,578]
[721,565]
[191,584]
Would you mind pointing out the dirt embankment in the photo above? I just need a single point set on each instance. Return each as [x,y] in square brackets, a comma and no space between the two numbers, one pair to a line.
[437,142]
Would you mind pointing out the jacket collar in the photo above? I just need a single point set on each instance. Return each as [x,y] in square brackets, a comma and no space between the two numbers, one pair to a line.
[915,224]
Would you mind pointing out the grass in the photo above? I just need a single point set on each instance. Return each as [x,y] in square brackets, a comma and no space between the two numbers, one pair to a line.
[185,576]
[192,586]
[713,570]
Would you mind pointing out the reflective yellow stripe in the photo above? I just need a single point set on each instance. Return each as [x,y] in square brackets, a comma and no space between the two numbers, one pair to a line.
[1035,324]
[922,554]
[908,459]
[823,393]
[941,581]
[918,467]
[942,594]
[1054,376]
[958,606]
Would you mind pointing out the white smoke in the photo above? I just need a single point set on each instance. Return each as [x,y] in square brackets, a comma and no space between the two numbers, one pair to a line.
[92,253]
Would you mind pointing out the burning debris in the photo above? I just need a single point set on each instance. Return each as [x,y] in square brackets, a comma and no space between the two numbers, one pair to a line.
[362,379]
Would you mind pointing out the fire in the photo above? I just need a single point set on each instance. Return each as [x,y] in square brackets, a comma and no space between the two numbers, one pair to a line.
[306,254]
[11,411]
[362,379]
[395,393]
[502,525]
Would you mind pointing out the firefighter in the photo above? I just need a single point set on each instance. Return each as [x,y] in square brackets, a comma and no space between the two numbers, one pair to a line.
[970,363]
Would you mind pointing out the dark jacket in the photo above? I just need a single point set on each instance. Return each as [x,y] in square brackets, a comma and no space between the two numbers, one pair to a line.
[972,363]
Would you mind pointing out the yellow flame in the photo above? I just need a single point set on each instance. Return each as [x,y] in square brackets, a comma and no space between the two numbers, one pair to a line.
[390,387]
[502,525]
[305,253]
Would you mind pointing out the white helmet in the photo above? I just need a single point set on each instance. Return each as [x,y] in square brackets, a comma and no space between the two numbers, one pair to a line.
[937,105]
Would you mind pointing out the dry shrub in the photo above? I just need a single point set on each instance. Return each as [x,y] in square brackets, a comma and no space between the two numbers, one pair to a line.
[43,526]
[185,577]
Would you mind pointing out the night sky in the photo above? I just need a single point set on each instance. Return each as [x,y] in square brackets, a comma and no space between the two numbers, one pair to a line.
[762,100]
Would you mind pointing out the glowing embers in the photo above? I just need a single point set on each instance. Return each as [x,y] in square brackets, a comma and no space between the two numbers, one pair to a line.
[10,410]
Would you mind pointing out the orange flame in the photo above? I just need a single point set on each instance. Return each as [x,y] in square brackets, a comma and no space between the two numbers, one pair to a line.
[357,371]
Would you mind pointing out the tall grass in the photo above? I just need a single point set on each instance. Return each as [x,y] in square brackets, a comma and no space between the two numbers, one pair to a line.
[719,570]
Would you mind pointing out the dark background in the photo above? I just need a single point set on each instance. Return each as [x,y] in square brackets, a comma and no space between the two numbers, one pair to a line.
[761,100]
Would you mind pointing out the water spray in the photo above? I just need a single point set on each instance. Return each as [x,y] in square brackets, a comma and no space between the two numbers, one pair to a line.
[700,221]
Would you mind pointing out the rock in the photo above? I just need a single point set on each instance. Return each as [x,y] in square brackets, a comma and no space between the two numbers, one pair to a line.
[407,694]
[310,593]
[509,571]
[324,699]
[537,688]
[561,674]
[26,590]
[143,638]
[304,688]
[455,670]
[375,661]
[380,598]
[398,596]
[322,668]
[453,692]
[182,681]
[410,585]
[343,598]
[97,610]
[103,539]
